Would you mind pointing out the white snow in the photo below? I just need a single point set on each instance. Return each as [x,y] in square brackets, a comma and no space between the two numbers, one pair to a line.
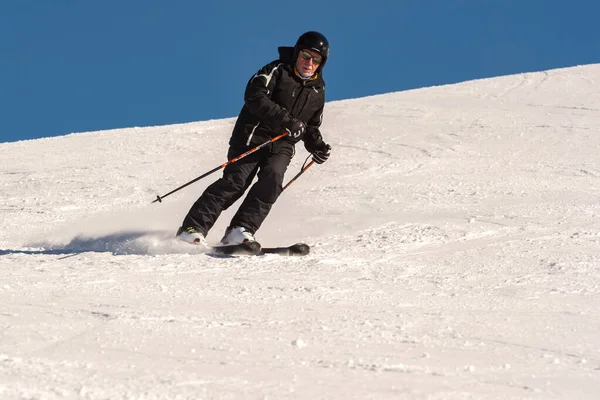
[455,237]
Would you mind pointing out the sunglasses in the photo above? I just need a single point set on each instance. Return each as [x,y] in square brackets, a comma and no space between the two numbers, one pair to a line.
[307,56]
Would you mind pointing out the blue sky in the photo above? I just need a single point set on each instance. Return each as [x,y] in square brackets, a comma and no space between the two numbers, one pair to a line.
[76,65]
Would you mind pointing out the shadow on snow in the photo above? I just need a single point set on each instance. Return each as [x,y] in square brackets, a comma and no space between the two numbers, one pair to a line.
[121,243]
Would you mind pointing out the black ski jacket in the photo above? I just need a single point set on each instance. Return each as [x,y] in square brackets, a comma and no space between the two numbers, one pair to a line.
[274,94]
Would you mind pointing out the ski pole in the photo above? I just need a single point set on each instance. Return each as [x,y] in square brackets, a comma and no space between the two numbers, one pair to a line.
[302,170]
[159,198]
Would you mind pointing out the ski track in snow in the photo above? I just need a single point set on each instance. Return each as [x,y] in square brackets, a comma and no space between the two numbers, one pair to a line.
[455,238]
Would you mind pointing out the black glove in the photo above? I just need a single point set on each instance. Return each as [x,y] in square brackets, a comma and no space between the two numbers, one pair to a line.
[296,129]
[321,152]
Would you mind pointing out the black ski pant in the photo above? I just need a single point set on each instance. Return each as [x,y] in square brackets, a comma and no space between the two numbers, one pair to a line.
[269,163]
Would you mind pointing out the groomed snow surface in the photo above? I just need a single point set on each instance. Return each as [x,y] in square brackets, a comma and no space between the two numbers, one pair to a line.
[455,237]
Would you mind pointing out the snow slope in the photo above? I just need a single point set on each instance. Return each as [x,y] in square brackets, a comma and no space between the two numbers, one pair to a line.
[456,253]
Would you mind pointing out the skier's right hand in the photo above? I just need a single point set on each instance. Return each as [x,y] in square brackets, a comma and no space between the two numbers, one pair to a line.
[295,128]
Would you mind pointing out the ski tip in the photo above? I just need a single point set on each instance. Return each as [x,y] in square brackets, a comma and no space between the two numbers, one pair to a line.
[300,249]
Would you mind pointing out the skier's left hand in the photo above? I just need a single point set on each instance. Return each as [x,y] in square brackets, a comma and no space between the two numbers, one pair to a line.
[321,153]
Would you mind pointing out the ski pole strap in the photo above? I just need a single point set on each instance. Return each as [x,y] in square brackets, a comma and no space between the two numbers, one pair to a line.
[302,170]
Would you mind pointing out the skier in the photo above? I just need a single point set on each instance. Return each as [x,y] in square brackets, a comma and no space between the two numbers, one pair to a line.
[286,95]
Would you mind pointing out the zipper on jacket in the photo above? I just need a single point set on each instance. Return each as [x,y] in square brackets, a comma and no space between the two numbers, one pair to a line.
[293,110]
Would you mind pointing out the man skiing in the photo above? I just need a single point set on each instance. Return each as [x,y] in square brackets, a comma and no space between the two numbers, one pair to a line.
[286,95]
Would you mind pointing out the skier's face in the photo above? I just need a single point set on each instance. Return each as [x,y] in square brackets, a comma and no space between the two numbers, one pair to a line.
[308,61]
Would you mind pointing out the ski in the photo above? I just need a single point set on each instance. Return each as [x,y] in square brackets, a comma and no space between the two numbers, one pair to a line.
[254,249]
[242,249]
[298,249]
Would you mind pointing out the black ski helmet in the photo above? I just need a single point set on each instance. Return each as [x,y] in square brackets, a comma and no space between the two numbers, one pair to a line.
[314,41]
